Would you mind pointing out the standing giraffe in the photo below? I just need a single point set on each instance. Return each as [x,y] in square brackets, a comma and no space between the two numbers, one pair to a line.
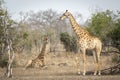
[40,60]
[85,42]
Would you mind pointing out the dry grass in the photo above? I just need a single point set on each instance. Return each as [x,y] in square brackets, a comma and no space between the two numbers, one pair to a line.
[60,67]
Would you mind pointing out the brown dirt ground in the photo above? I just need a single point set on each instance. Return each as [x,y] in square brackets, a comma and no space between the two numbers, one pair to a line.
[60,67]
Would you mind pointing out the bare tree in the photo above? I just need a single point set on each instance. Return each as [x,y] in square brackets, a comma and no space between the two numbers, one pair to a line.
[10,53]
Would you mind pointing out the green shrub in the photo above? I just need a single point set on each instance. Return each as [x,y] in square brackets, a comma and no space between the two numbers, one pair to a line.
[70,42]
[116,59]
[3,61]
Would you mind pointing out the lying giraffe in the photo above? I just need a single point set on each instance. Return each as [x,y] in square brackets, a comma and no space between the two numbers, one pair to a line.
[40,60]
[85,41]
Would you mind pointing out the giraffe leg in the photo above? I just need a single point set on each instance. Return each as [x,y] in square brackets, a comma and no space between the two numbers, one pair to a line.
[28,64]
[99,65]
[84,64]
[84,61]
[98,50]
[95,62]
[77,64]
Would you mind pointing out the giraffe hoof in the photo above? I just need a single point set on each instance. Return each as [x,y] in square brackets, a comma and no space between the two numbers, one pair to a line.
[78,73]
[84,74]
[94,74]
[99,74]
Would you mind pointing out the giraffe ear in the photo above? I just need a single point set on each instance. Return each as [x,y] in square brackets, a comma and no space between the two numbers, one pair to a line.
[66,10]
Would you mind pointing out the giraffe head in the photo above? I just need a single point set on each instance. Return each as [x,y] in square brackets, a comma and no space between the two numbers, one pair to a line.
[46,38]
[65,15]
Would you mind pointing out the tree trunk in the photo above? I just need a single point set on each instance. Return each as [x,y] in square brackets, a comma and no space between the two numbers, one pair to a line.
[10,60]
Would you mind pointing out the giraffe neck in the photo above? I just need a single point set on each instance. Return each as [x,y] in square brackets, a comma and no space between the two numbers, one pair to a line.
[41,55]
[77,29]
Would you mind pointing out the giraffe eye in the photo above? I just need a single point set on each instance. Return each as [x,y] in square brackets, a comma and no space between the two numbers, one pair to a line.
[64,14]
